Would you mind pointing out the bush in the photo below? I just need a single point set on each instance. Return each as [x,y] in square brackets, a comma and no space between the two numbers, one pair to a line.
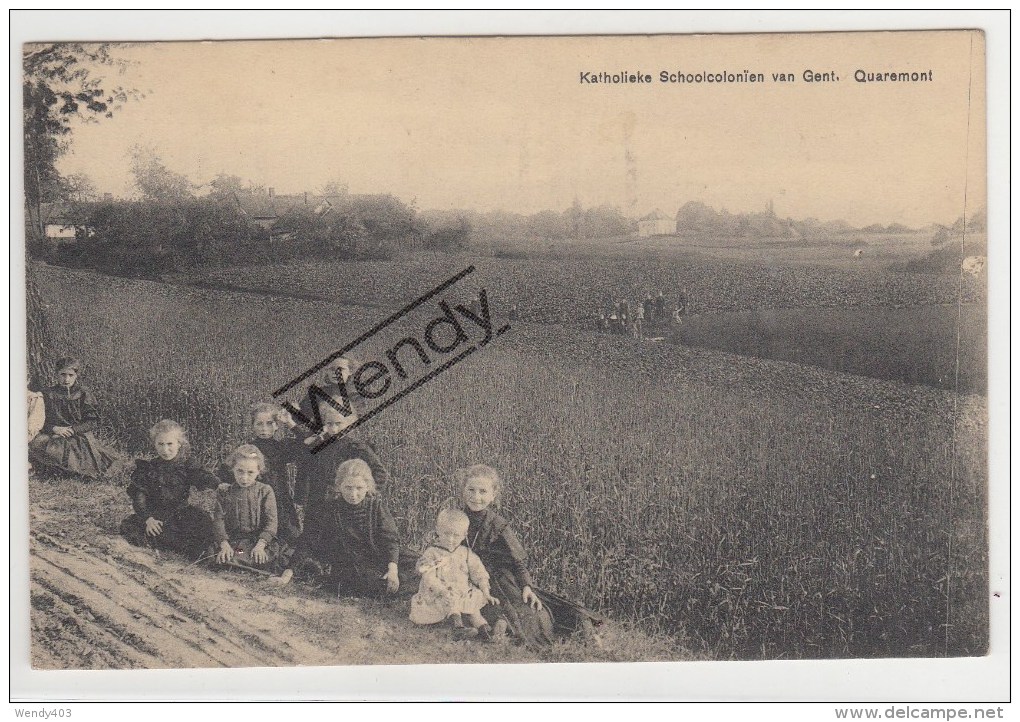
[147,238]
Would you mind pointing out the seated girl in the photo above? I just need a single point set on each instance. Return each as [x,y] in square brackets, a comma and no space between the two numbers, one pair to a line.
[317,471]
[159,492]
[357,547]
[66,440]
[532,615]
[245,520]
[278,452]
[454,582]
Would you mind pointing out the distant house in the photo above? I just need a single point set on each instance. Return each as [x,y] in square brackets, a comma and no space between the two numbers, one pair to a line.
[61,223]
[656,224]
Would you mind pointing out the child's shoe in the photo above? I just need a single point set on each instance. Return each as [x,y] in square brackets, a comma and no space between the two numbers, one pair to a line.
[485,633]
[499,631]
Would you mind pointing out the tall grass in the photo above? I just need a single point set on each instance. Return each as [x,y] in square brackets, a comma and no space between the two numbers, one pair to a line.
[754,521]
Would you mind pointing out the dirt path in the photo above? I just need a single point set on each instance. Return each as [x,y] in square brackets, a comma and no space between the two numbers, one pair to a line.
[99,603]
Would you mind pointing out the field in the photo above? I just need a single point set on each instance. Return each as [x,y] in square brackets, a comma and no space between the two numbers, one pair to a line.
[916,344]
[744,508]
[855,319]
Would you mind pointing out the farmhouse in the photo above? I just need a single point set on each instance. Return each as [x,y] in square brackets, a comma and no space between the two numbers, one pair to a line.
[61,223]
[656,224]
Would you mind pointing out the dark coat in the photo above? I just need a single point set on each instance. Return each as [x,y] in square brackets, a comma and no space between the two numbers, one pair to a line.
[161,488]
[316,472]
[74,407]
[490,537]
[356,544]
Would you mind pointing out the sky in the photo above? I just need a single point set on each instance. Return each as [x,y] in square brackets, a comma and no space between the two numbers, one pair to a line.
[505,123]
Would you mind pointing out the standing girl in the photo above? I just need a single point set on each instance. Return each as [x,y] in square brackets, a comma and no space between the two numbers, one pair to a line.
[66,441]
[532,615]
[159,492]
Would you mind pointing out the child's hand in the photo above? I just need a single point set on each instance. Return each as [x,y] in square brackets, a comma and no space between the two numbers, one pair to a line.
[530,599]
[312,440]
[492,600]
[282,580]
[153,527]
[226,553]
[223,486]
[392,578]
[63,431]
[259,555]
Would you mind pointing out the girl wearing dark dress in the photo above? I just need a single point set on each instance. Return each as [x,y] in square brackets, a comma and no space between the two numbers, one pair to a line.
[356,547]
[66,440]
[159,492]
[245,520]
[317,471]
[532,615]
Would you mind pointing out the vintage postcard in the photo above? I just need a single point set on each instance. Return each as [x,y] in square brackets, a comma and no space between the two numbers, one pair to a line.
[489,350]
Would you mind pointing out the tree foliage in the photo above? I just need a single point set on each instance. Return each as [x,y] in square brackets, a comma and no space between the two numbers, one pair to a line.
[61,85]
[154,180]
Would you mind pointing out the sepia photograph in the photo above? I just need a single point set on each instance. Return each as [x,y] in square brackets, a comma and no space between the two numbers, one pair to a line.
[505,350]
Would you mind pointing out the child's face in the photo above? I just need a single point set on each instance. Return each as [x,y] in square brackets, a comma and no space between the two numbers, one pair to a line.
[246,472]
[479,492]
[333,422]
[265,425]
[337,372]
[332,428]
[168,444]
[451,536]
[354,489]
[67,377]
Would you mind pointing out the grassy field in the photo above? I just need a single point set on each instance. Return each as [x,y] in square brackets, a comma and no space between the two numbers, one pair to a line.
[917,344]
[857,319]
[748,508]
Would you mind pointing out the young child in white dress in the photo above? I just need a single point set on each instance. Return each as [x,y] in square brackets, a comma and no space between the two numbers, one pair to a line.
[454,582]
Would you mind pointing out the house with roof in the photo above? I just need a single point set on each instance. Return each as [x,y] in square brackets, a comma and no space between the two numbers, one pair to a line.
[61,223]
[656,223]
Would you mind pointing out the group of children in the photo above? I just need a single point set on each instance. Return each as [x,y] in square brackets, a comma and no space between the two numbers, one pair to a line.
[284,512]
[621,316]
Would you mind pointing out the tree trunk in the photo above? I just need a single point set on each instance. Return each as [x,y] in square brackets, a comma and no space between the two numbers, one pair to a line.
[39,358]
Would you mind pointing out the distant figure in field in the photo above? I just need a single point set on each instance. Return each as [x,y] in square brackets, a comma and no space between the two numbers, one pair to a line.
[639,318]
[682,302]
[65,440]
[660,307]
[648,306]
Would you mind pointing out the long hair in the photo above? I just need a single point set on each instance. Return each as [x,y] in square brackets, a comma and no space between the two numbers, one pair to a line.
[168,426]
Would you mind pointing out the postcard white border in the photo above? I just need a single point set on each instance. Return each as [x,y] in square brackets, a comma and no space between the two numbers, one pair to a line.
[980,679]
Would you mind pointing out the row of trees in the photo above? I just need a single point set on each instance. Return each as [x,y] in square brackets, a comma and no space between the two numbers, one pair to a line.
[156,235]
